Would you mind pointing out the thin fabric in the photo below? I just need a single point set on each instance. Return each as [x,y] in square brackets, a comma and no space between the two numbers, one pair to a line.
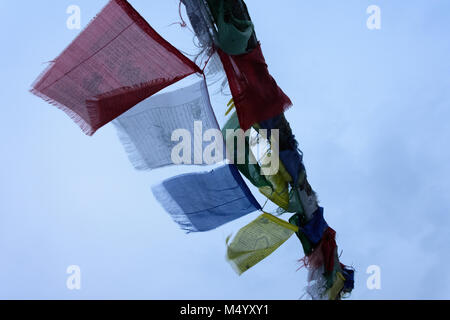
[115,63]
[328,278]
[233,34]
[290,155]
[203,26]
[204,201]
[317,285]
[256,94]
[202,22]
[278,192]
[336,289]
[274,187]
[315,228]
[146,130]
[311,233]
[250,168]
[317,288]
[258,240]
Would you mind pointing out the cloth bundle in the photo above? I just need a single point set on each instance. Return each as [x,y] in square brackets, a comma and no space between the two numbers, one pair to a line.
[115,63]
[328,278]
[205,201]
[146,130]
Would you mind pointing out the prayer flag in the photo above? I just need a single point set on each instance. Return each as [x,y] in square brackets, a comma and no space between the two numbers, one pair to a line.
[115,63]
[255,93]
[146,131]
[258,240]
[204,201]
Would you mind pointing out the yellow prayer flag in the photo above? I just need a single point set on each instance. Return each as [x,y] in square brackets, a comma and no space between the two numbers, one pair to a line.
[337,287]
[258,240]
[279,192]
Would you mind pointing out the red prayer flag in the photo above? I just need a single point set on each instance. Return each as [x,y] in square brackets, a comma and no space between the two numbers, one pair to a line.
[256,94]
[118,61]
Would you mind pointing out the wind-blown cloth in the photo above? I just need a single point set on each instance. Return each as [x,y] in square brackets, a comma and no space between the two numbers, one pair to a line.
[202,23]
[146,130]
[328,278]
[290,154]
[115,63]
[204,201]
[203,26]
[256,94]
[258,240]
[233,34]
[274,187]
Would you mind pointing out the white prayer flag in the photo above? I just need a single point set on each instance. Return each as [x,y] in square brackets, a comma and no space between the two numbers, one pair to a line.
[147,130]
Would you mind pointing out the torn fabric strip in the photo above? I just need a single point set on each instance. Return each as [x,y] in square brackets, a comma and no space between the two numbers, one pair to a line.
[146,130]
[204,201]
[233,34]
[349,275]
[115,63]
[256,94]
[202,22]
[203,25]
[338,285]
[258,240]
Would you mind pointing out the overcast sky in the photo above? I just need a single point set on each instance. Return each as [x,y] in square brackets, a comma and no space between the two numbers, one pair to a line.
[371,113]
